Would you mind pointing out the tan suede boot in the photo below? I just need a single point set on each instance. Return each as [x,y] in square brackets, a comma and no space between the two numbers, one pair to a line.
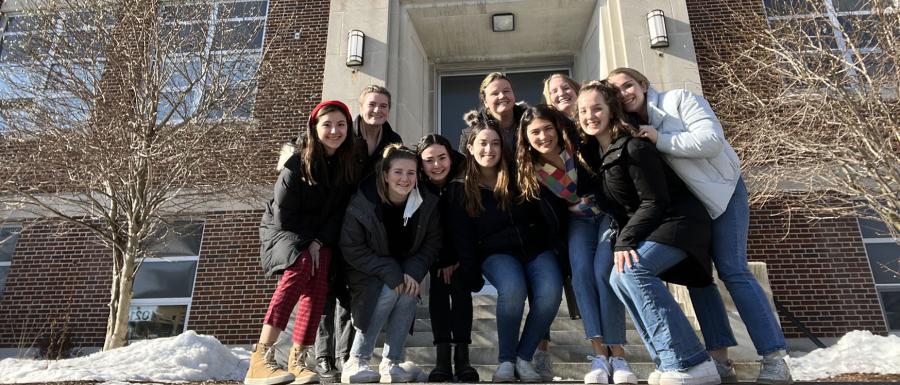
[297,366]
[263,368]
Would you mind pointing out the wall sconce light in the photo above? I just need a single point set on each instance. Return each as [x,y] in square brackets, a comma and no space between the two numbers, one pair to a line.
[503,22]
[656,23]
[355,46]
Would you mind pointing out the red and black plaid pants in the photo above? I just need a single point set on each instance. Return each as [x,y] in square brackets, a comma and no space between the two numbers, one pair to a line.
[300,284]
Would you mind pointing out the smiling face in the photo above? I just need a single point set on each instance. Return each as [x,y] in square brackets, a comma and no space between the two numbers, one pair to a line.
[375,108]
[593,113]
[485,148]
[331,128]
[562,95]
[633,92]
[401,178]
[499,98]
[436,163]
[542,136]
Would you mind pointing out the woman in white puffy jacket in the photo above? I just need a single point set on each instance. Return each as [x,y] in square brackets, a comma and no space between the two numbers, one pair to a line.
[690,137]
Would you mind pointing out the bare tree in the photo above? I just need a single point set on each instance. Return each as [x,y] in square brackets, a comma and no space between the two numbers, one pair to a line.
[119,116]
[808,90]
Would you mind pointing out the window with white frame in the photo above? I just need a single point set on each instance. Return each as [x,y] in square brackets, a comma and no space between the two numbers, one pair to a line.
[883,252]
[839,26]
[217,47]
[9,236]
[50,56]
[164,284]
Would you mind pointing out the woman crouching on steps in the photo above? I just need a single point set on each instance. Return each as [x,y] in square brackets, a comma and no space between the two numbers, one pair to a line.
[450,301]
[299,230]
[391,236]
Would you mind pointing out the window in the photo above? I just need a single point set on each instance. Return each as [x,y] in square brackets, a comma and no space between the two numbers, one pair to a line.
[164,284]
[51,59]
[216,50]
[883,253]
[842,27]
[9,236]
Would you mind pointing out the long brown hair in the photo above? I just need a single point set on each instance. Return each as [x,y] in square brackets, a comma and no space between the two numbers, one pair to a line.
[618,123]
[312,151]
[501,190]
[527,157]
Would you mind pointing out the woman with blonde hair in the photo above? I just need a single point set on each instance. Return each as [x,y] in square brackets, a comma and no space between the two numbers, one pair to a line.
[391,236]
[499,109]
[561,92]
[683,127]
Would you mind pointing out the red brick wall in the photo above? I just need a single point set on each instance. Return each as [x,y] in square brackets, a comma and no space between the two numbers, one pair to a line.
[818,270]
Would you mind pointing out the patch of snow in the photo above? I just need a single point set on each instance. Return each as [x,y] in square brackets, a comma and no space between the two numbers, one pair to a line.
[856,352]
[186,357]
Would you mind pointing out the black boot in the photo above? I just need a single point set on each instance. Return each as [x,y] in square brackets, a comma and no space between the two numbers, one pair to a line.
[442,371]
[326,369]
[464,371]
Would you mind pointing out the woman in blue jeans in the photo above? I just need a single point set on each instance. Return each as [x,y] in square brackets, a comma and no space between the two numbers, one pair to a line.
[511,242]
[685,130]
[391,236]
[550,167]
[662,233]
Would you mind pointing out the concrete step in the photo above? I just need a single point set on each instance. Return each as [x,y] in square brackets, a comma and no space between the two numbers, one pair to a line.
[490,324]
[489,338]
[559,354]
[574,371]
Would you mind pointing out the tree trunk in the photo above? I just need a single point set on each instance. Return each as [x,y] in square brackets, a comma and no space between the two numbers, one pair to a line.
[120,303]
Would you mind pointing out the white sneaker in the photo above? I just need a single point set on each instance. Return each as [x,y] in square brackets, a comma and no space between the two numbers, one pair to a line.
[599,373]
[703,374]
[415,372]
[543,365]
[621,371]
[506,372]
[392,372]
[653,378]
[774,370]
[726,371]
[357,371]
[525,371]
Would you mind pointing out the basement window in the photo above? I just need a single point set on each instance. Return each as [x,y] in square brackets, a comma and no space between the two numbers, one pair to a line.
[164,284]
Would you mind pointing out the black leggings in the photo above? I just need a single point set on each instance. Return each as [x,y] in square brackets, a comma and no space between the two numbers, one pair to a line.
[450,325]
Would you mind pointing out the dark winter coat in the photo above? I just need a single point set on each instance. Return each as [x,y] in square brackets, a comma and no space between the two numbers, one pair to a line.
[300,212]
[368,162]
[527,230]
[650,203]
[364,242]
[447,256]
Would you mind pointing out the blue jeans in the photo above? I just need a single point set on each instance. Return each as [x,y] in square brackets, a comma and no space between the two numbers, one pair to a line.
[729,254]
[666,332]
[541,282]
[590,255]
[399,311]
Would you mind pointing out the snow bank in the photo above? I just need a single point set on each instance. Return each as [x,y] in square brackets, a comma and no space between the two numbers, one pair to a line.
[856,352]
[186,357]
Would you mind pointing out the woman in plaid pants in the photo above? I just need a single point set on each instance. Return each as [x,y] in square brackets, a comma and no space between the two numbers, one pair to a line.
[299,230]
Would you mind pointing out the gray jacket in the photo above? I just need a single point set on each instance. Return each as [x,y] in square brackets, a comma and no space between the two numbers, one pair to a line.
[364,242]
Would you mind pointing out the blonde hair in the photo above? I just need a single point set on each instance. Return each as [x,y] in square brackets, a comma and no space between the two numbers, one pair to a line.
[546,92]
[374,89]
[488,80]
[633,73]
[392,152]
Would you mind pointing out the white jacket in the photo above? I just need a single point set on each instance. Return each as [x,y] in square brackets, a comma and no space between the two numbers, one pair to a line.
[693,143]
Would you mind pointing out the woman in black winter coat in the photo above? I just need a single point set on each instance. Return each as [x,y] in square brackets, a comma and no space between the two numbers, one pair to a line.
[298,232]
[512,242]
[449,301]
[391,236]
[662,233]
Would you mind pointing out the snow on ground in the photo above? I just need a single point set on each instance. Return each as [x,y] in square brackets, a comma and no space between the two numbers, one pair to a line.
[187,357]
[856,352]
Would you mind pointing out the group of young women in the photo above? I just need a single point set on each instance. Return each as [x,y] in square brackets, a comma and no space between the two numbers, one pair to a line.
[611,184]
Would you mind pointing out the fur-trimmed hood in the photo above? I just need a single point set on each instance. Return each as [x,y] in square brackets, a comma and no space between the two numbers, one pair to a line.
[287,150]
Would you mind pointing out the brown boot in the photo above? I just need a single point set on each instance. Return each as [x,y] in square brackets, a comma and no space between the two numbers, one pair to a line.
[263,368]
[297,366]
